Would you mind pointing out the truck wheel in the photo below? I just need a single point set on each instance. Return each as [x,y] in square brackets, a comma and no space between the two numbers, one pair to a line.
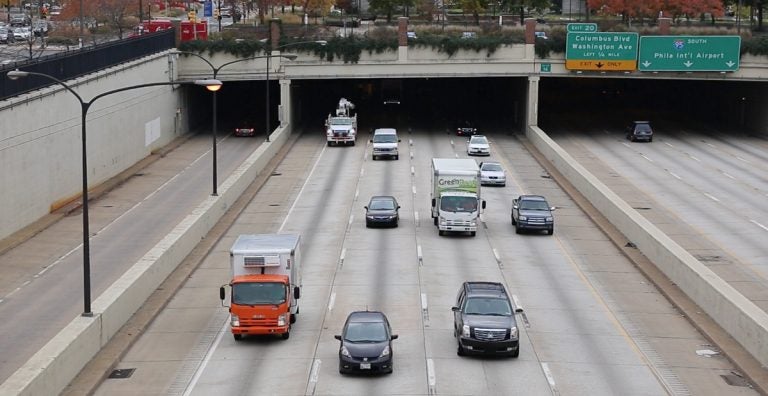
[460,350]
[434,220]
[293,319]
[516,353]
[513,220]
[330,144]
[550,231]
[238,337]
[397,157]
[472,233]
[440,232]
[518,230]
[287,334]
[352,143]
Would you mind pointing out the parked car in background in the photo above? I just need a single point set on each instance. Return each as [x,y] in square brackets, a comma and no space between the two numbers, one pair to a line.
[6,35]
[491,173]
[465,129]
[640,130]
[484,320]
[478,145]
[382,210]
[366,343]
[532,212]
[22,33]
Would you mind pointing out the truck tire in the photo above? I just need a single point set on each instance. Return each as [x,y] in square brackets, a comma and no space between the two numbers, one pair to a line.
[434,220]
[518,230]
[472,233]
[238,337]
[513,221]
[330,144]
[293,319]
[397,157]
[352,143]
[516,353]
[550,231]
[287,334]
[459,349]
[440,232]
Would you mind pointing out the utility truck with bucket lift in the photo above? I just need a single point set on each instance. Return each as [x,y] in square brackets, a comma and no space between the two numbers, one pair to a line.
[456,202]
[265,285]
[341,128]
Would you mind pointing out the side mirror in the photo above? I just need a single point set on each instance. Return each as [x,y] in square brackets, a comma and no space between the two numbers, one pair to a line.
[455,309]
[371,140]
[221,294]
[398,206]
[553,208]
[483,204]
[433,202]
[296,292]
[394,336]
[514,207]
[338,337]
[398,140]
[366,207]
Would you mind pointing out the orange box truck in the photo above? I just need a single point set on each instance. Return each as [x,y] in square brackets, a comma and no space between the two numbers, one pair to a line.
[265,285]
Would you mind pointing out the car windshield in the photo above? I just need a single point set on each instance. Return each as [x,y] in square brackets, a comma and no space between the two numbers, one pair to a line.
[341,121]
[384,138]
[533,205]
[458,204]
[258,293]
[492,167]
[478,140]
[366,332]
[382,204]
[642,128]
[487,306]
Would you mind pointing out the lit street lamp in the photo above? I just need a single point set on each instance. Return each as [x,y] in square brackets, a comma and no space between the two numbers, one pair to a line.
[321,42]
[84,106]
[216,70]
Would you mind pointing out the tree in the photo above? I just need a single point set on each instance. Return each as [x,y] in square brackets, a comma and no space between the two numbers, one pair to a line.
[388,7]
[474,7]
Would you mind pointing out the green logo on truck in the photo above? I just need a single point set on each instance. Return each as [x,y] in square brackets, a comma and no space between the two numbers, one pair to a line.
[468,184]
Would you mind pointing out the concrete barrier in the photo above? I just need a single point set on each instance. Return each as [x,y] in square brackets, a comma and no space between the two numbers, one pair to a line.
[61,359]
[740,317]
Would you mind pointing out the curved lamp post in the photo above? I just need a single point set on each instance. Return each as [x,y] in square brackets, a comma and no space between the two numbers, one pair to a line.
[215,70]
[84,106]
[321,42]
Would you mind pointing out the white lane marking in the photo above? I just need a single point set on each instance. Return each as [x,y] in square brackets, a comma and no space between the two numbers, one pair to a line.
[550,378]
[357,192]
[13,292]
[496,255]
[649,160]
[712,197]
[669,144]
[414,189]
[411,154]
[741,159]
[333,301]
[410,142]
[351,218]
[362,172]
[675,175]
[759,225]
[626,144]
[456,154]
[314,375]
[413,171]
[694,158]
[1,300]
[711,145]
[727,175]
[418,254]
[451,142]
[431,375]
[416,218]
[518,306]
[424,301]
[343,253]
[191,386]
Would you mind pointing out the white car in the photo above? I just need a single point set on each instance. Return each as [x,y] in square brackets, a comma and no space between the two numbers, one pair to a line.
[492,173]
[478,145]
[22,33]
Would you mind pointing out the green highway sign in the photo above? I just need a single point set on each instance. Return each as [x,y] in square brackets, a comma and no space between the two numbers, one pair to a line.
[689,53]
[582,27]
[610,51]
[546,68]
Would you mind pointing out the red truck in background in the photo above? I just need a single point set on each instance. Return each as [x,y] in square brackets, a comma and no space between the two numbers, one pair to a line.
[188,30]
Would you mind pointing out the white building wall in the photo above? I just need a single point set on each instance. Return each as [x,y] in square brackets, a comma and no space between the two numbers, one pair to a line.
[40,136]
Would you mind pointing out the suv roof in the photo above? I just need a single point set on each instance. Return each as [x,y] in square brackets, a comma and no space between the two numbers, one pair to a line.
[533,198]
[488,289]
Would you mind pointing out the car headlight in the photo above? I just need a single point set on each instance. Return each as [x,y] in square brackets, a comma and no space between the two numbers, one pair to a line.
[385,352]
[329,132]
[234,321]
[523,218]
[465,331]
[549,218]
[352,131]
[345,352]
[281,319]
[513,332]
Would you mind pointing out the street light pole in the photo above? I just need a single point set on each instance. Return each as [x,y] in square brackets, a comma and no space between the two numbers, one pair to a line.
[84,106]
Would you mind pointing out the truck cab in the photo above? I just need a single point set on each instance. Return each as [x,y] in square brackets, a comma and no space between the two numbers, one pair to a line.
[456,202]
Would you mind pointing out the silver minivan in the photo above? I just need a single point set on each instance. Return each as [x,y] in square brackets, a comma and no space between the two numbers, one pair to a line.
[385,143]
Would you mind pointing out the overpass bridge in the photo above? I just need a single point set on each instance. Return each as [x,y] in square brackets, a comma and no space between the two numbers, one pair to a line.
[149,120]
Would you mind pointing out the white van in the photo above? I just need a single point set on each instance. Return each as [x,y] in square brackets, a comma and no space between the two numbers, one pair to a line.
[385,143]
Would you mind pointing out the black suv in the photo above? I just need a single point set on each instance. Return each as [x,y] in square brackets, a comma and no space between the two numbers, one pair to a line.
[640,130]
[484,320]
[532,212]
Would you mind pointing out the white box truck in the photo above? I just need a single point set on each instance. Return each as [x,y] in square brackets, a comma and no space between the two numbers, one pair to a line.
[265,285]
[456,202]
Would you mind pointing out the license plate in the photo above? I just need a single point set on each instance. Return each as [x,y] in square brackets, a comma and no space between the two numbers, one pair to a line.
[365,366]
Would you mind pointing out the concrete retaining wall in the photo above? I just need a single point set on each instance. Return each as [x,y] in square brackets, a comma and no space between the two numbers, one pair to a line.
[741,318]
[61,359]
[40,136]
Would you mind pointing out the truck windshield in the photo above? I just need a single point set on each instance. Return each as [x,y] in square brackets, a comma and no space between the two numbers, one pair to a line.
[258,293]
[458,204]
[385,138]
[341,121]
[487,306]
